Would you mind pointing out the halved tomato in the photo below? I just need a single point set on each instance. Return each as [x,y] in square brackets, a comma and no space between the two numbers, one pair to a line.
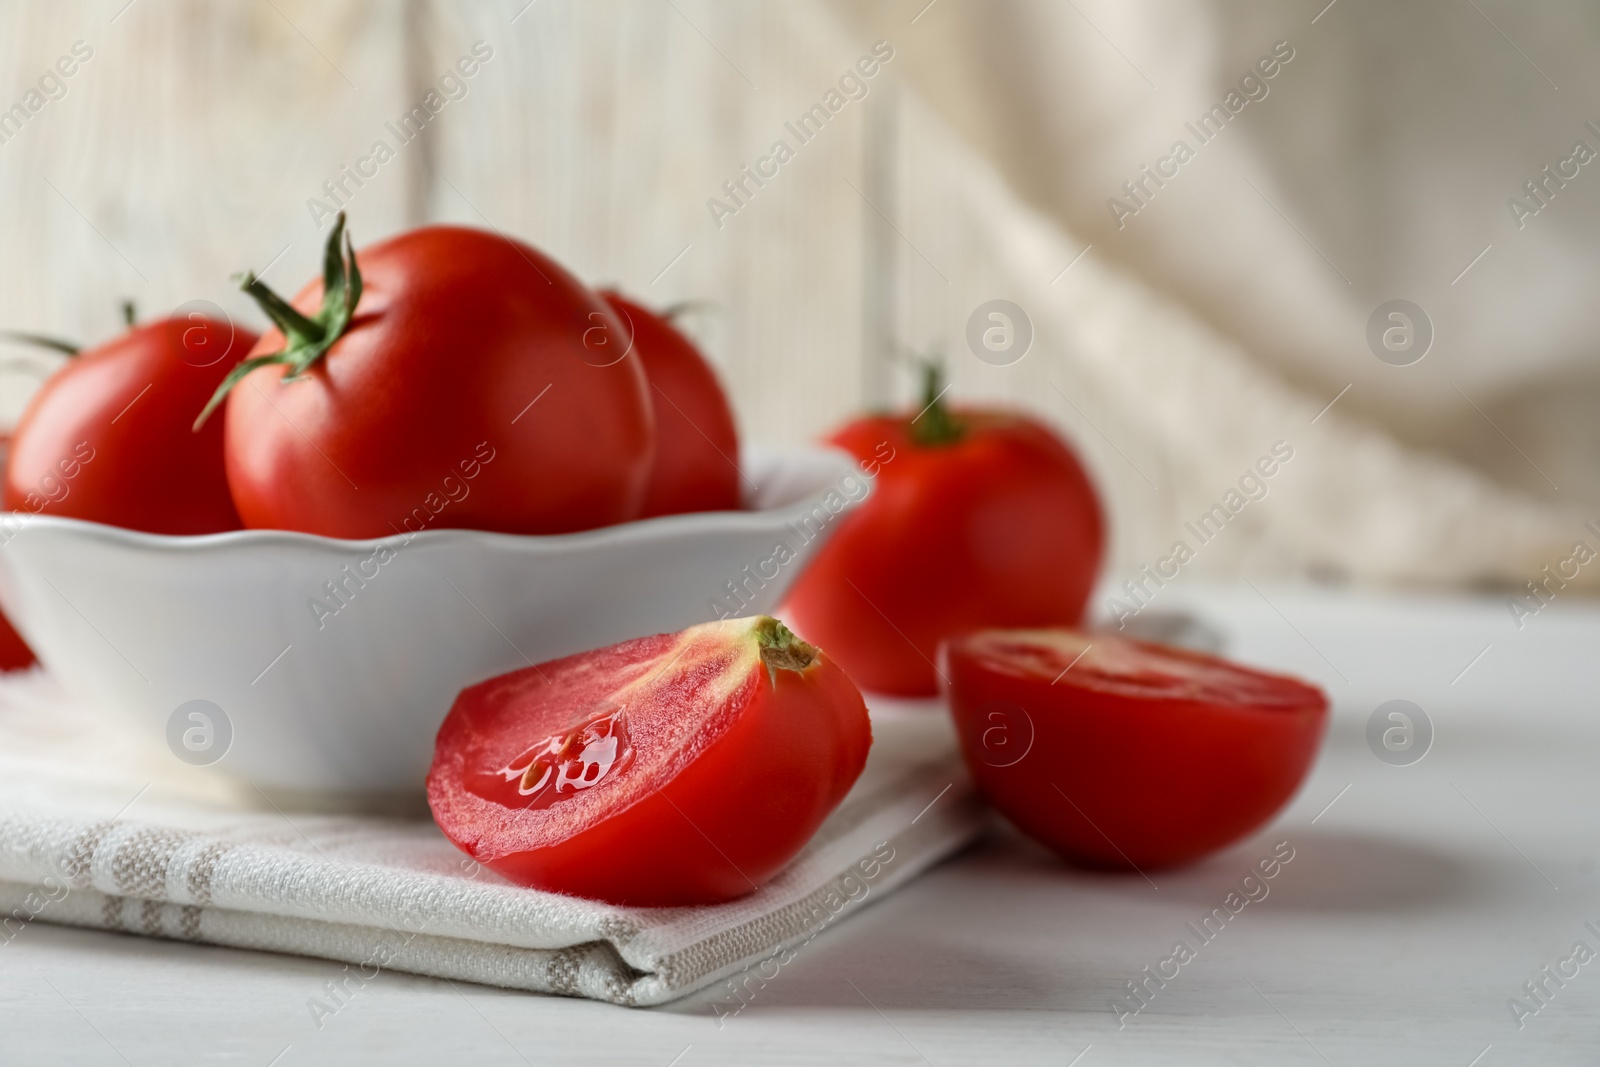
[1118,753]
[683,768]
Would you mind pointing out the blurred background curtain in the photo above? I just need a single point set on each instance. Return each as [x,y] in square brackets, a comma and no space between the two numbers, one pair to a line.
[1175,347]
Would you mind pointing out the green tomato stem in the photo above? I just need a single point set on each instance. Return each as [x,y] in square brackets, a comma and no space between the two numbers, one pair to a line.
[39,340]
[306,338]
[935,425]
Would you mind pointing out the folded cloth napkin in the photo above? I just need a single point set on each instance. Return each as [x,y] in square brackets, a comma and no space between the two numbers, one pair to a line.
[97,830]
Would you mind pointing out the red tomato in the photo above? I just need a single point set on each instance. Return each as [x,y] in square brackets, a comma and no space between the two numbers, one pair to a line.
[457,379]
[979,518]
[684,768]
[14,651]
[697,446]
[1117,753]
[108,437]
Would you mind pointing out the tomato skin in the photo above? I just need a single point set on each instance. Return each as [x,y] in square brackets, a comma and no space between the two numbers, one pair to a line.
[14,651]
[696,465]
[999,528]
[109,437]
[1118,778]
[419,414]
[717,825]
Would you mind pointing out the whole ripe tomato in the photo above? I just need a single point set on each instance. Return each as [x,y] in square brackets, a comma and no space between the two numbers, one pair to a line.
[108,437]
[679,769]
[979,518]
[455,379]
[696,466]
[1121,754]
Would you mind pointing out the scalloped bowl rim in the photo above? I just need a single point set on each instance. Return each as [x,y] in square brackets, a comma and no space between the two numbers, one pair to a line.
[743,517]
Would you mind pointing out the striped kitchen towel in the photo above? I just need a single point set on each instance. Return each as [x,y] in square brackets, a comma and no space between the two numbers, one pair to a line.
[97,832]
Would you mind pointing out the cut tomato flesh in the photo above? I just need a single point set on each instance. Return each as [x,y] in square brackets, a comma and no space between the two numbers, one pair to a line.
[1133,669]
[1117,753]
[561,765]
[676,769]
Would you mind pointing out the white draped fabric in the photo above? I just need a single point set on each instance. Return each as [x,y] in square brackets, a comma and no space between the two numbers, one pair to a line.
[1178,340]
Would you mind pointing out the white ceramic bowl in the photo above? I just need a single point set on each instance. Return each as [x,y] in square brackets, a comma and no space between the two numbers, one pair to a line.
[341,702]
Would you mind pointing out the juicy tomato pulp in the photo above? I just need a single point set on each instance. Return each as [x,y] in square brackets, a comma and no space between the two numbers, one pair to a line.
[996,527]
[1117,753]
[108,438]
[696,465]
[478,385]
[683,768]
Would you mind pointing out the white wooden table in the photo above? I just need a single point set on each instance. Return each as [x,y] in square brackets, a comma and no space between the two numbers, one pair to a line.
[1419,901]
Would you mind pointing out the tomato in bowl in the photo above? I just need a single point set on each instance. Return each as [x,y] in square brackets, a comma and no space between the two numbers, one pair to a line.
[1123,754]
[695,467]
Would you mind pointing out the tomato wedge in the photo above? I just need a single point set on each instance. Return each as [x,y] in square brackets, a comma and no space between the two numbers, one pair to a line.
[1122,754]
[682,768]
